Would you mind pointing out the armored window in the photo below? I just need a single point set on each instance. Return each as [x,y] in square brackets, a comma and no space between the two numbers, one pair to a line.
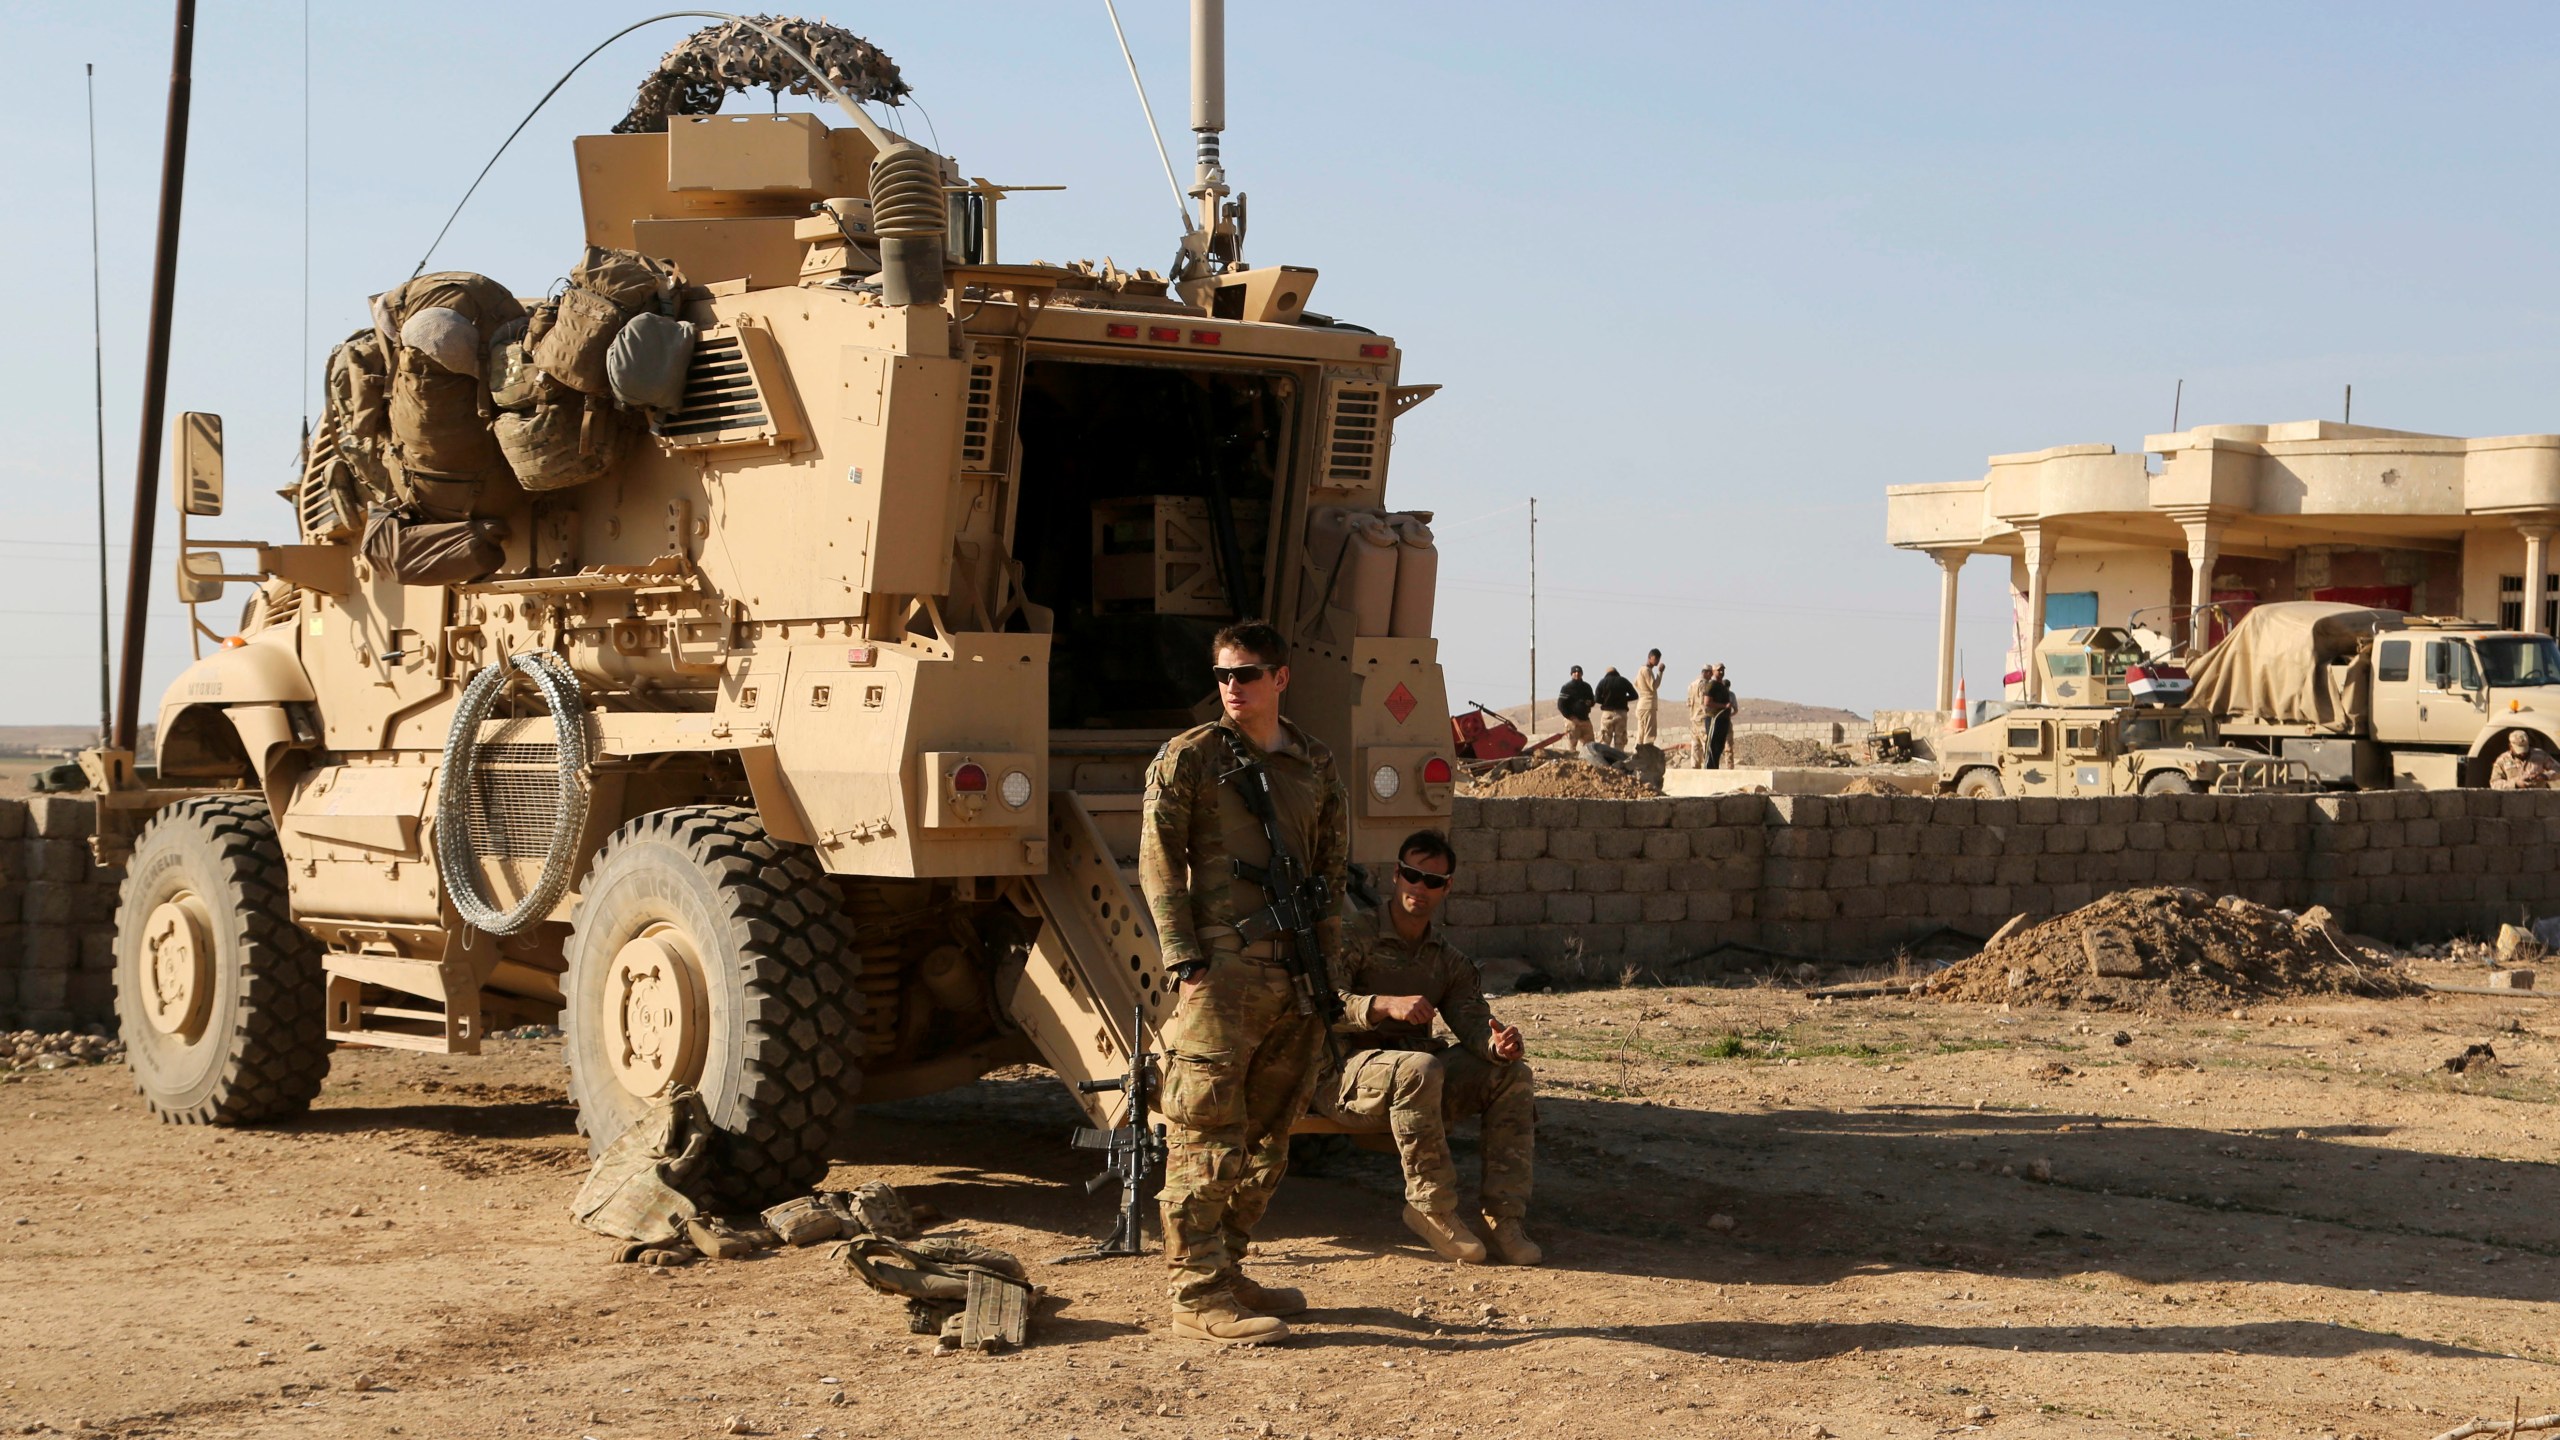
[2391,661]
[2029,738]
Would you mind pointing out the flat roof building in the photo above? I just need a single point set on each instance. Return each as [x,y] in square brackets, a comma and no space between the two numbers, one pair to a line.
[2238,514]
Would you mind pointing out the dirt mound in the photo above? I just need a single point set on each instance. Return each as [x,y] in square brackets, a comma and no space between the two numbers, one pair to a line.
[1870,785]
[2167,951]
[1560,780]
[1759,749]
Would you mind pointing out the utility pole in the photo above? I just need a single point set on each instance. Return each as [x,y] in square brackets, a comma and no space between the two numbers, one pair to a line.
[2349,417]
[1533,617]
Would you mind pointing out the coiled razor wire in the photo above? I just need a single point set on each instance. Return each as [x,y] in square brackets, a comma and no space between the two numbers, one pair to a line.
[455,859]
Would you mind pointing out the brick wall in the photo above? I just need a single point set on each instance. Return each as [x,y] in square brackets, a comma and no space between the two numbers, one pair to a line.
[57,915]
[1658,881]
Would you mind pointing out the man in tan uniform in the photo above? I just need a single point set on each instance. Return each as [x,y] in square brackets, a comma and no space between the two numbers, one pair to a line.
[1699,716]
[1242,1046]
[2523,767]
[1395,973]
[1644,719]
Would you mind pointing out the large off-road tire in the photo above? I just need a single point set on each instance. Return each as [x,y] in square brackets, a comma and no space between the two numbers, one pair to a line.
[218,992]
[704,952]
[2168,782]
[1980,784]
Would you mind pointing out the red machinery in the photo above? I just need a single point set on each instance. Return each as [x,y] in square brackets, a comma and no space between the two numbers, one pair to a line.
[1480,734]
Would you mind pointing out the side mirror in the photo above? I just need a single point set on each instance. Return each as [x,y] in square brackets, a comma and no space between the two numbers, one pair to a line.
[199,577]
[199,463]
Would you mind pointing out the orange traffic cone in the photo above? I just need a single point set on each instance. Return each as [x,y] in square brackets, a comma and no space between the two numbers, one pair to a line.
[1957,722]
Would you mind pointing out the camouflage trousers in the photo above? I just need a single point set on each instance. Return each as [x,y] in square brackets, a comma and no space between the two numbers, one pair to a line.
[1239,1060]
[1415,1095]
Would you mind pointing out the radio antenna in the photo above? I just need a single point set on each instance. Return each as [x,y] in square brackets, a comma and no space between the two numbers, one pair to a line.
[1180,202]
[98,350]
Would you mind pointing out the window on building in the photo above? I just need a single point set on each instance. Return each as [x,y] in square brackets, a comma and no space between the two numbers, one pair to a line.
[2391,660]
[2511,603]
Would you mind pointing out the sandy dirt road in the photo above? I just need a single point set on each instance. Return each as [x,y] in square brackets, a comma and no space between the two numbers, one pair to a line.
[2289,1224]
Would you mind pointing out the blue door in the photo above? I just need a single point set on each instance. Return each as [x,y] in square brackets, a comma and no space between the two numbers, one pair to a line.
[2074,611]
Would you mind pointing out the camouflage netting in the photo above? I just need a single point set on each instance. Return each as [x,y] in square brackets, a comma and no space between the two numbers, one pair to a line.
[699,72]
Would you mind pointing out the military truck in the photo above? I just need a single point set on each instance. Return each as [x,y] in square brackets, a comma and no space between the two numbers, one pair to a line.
[795,756]
[2098,742]
[2377,699]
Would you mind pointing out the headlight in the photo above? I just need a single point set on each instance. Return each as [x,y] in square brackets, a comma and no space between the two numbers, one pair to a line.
[1385,782]
[1016,789]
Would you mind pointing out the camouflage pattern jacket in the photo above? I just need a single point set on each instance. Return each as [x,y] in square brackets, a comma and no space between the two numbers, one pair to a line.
[1375,960]
[1195,825]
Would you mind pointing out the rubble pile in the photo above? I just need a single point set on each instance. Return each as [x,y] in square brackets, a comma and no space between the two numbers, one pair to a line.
[1757,750]
[1556,779]
[37,1050]
[2171,950]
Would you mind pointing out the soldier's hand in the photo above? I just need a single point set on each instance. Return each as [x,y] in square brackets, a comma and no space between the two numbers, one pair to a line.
[1407,1009]
[1507,1044]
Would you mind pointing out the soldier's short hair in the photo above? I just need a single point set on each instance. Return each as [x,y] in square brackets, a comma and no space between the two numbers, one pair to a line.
[1257,638]
[1430,845]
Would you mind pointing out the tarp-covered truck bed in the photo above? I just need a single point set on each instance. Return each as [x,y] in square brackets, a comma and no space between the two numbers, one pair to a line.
[2295,662]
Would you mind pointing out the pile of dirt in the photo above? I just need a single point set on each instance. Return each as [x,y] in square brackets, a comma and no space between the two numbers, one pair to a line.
[1870,785]
[38,1050]
[1760,750]
[1561,779]
[2167,951]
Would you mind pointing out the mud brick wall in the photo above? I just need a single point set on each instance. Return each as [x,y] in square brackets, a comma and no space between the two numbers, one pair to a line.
[57,916]
[1585,887]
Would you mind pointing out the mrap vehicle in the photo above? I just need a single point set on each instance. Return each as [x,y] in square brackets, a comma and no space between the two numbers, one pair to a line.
[797,755]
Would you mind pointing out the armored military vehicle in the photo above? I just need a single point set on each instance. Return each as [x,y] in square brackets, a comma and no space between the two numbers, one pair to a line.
[781,736]
[2098,741]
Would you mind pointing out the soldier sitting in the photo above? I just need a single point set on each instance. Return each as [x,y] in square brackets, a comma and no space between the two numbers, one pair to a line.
[1388,1073]
[2525,766]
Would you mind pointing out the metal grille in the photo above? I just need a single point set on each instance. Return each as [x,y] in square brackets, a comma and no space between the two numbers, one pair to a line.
[326,504]
[1356,436]
[515,800]
[719,393]
[978,419]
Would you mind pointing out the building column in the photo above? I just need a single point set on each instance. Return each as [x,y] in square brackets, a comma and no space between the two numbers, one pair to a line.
[2204,551]
[2039,554]
[1949,562]
[2537,557]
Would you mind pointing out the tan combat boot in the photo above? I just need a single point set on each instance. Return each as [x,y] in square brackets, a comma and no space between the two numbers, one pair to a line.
[1268,1299]
[1222,1320]
[1508,1235]
[1446,1233]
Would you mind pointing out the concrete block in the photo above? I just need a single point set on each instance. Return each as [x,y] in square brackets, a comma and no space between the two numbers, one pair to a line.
[1662,909]
[2015,869]
[1802,811]
[1520,907]
[1618,909]
[1798,842]
[1646,877]
[42,990]
[1858,903]
[48,904]
[1475,845]
[91,997]
[1500,878]
[1715,844]
[92,904]
[2057,869]
[1891,869]
[1971,869]
[1955,812]
[1693,813]
[1940,841]
[2147,834]
[1984,839]
[1526,843]
[1786,873]
[56,862]
[1666,845]
[1470,910]
[1849,873]
[13,818]
[1575,844]
[1604,948]
[1568,909]
[1465,813]
[61,817]
[1896,837]
[1503,814]
[1752,810]
[2039,810]
[1713,905]
[50,948]
[1555,814]
[1546,877]
[2213,867]
[1863,810]
[2250,865]
[1647,945]
[2067,840]
[1600,814]
[1597,877]
[1623,844]
[1653,812]
[2106,839]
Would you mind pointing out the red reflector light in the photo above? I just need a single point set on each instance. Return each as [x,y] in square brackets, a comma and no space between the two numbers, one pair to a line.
[1205,337]
[1121,332]
[969,780]
[1165,333]
[1435,771]
[1374,352]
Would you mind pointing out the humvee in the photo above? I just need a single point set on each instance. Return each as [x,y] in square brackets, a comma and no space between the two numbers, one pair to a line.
[799,758]
[2102,743]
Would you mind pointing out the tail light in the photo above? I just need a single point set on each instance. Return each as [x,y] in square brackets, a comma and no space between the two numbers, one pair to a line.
[1206,337]
[1164,334]
[1121,332]
[1435,771]
[1373,351]
[969,780]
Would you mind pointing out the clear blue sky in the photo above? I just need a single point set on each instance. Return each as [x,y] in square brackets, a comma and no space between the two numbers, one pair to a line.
[1704,279]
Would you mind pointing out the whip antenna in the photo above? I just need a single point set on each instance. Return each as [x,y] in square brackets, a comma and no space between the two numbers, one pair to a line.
[1179,202]
[98,349]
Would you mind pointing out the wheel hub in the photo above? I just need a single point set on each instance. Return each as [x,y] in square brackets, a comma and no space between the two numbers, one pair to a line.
[177,967]
[655,1025]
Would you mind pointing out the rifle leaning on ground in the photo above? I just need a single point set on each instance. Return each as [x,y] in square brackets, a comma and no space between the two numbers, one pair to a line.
[1134,1152]
[1298,899]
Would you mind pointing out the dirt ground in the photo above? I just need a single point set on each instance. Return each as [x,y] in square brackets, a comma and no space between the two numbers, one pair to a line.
[2294,1223]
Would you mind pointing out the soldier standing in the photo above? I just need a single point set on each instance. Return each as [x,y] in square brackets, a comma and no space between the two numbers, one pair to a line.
[1613,696]
[1699,715]
[1573,702]
[1247,1030]
[1644,720]
[1720,713]
[2523,767]
[1396,972]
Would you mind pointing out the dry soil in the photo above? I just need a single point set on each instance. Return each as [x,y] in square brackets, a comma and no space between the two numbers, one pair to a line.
[2290,1224]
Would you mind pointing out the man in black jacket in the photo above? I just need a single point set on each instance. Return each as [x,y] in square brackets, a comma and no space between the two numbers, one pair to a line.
[1573,702]
[1615,693]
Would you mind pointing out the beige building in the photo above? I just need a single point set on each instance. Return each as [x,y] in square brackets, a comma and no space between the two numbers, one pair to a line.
[2239,514]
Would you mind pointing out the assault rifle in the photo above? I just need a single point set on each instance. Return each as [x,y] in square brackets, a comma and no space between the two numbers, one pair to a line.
[1298,899]
[1134,1153]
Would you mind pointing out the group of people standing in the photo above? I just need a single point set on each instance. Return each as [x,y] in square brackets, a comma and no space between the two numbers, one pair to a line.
[1623,713]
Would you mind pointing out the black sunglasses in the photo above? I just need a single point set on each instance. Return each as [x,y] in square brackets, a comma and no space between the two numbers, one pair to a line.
[1239,674]
[1423,878]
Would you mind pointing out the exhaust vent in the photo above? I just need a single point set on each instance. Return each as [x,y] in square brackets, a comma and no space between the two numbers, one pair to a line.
[978,418]
[735,393]
[1355,451]
[326,504]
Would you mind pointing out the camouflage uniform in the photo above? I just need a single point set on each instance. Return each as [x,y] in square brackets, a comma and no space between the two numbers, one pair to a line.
[2535,770]
[1239,1055]
[1388,1075]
